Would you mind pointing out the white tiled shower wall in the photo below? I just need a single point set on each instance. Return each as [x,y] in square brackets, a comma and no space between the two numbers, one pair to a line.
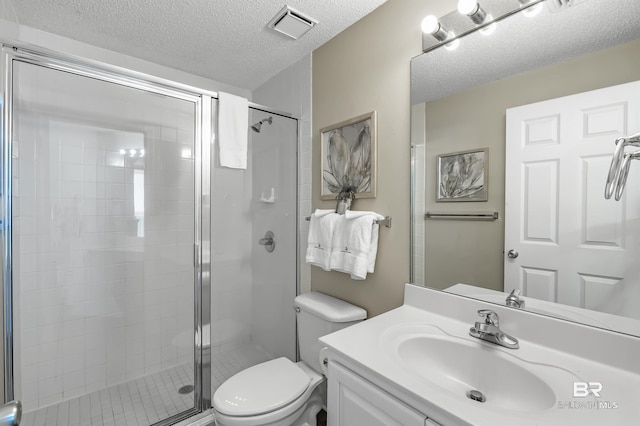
[96,303]
[290,91]
[252,290]
[274,274]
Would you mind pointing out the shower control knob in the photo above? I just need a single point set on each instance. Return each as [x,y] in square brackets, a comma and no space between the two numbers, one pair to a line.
[512,254]
[268,242]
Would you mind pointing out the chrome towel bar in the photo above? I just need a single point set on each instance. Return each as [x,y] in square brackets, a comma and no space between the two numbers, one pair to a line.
[463,216]
[386,221]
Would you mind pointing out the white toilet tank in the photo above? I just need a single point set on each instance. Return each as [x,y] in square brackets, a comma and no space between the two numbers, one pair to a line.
[318,315]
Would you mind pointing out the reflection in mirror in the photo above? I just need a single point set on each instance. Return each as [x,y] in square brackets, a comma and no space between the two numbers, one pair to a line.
[548,96]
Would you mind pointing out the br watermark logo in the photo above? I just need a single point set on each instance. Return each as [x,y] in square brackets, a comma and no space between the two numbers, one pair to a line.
[588,396]
[584,389]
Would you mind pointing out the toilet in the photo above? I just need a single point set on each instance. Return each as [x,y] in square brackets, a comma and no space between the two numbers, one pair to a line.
[280,392]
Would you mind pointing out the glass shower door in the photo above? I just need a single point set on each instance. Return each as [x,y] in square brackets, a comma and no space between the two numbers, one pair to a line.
[104,222]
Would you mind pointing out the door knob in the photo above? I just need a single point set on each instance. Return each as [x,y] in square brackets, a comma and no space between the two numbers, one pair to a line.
[512,254]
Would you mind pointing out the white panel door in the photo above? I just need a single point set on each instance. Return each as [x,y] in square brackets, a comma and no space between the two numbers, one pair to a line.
[573,246]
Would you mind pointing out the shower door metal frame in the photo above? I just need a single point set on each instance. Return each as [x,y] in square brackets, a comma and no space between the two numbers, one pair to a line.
[202,189]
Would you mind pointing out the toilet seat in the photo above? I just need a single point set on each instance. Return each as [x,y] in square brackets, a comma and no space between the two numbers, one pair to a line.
[261,389]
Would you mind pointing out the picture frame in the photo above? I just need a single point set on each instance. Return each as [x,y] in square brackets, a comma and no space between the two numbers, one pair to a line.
[463,176]
[348,158]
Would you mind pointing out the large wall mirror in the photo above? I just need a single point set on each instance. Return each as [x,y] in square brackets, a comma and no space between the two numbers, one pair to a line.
[534,107]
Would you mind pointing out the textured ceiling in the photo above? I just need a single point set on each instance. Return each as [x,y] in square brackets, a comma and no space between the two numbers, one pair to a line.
[520,44]
[224,40]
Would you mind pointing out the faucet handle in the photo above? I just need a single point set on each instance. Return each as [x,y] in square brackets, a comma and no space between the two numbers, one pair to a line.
[513,299]
[490,317]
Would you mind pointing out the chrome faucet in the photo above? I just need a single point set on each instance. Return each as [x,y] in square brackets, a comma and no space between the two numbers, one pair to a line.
[489,330]
[514,300]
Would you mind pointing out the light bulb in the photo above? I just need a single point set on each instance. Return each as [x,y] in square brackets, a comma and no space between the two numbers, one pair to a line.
[489,29]
[430,24]
[533,11]
[468,7]
[452,45]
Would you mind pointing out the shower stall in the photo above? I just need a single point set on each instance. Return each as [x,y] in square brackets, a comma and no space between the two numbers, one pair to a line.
[134,281]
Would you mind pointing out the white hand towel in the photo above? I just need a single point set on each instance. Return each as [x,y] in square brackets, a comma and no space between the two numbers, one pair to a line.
[321,230]
[233,130]
[355,244]
[373,251]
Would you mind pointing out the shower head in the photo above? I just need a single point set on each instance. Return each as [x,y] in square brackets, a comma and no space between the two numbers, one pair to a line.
[256,127]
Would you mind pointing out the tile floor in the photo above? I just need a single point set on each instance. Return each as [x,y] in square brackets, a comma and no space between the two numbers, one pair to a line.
[146,400]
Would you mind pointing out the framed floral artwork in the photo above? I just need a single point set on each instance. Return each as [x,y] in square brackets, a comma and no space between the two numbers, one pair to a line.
[348,158]
[463,176]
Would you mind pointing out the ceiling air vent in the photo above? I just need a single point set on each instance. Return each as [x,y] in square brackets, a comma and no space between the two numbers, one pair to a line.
[292,23]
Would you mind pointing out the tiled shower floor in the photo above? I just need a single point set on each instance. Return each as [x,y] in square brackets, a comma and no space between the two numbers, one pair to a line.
[146,400]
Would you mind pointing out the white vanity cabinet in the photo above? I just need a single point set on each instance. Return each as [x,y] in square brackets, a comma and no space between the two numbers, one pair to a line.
[354,401]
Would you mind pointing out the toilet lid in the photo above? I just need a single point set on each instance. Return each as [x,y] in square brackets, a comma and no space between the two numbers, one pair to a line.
[262,388]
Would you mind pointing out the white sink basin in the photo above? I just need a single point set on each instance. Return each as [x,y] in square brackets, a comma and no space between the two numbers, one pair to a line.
[459,365]
[422,354]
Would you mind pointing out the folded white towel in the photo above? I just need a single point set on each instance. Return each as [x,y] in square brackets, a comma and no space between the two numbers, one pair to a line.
[233,128]
[373,251]
[355,244]
[354,214]
[321,231]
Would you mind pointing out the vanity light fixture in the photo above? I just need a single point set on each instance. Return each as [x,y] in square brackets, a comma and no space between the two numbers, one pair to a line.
[473,10]
[447,30]
[431,25]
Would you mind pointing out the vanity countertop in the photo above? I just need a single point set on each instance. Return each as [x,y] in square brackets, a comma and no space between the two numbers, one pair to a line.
[532,385]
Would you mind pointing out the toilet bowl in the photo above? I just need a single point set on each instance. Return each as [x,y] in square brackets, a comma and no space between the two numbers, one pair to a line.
[280,392]
[252,397]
